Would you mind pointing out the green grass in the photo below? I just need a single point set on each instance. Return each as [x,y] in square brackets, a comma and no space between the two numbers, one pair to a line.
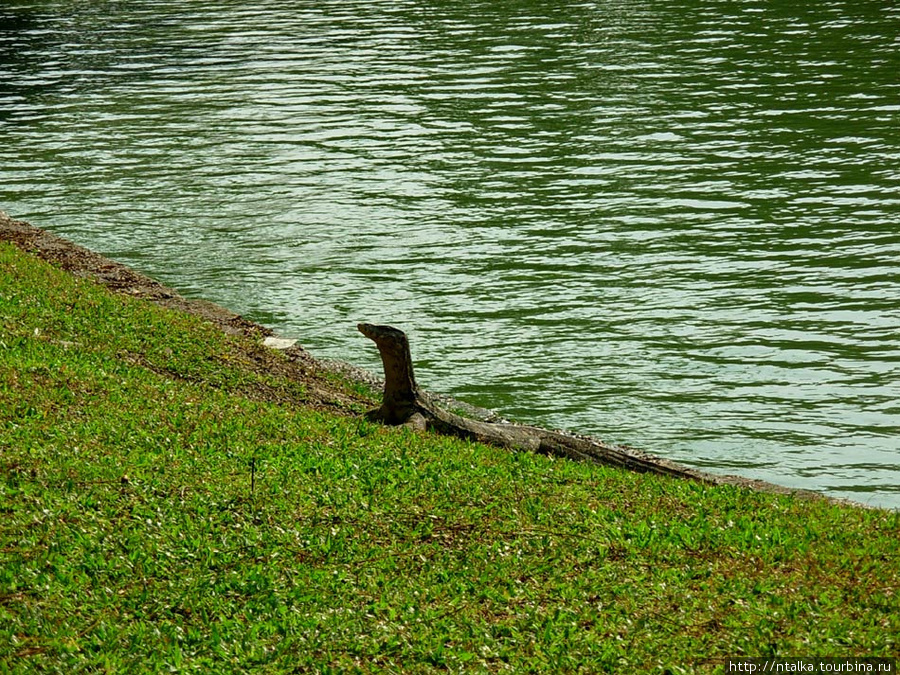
[157,514]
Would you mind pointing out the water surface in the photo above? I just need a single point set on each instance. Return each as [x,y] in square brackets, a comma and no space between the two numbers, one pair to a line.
[672,225]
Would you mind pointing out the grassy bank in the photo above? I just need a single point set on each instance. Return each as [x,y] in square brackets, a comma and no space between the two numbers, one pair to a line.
[162,510]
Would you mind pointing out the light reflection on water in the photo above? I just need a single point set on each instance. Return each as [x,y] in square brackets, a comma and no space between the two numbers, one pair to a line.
[673,225]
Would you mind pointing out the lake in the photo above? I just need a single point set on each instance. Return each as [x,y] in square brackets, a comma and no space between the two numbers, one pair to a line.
[670,225]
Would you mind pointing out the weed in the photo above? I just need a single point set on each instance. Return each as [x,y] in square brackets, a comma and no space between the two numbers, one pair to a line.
[157,515]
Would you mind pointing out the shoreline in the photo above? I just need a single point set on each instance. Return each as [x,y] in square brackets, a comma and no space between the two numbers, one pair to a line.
[119,278]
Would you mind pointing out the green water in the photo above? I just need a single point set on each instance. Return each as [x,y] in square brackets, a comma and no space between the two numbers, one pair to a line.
[672,225]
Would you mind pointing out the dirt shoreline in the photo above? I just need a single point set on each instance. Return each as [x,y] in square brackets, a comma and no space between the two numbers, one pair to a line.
[300,365]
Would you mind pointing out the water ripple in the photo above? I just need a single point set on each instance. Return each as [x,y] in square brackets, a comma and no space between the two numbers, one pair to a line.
[673,226]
